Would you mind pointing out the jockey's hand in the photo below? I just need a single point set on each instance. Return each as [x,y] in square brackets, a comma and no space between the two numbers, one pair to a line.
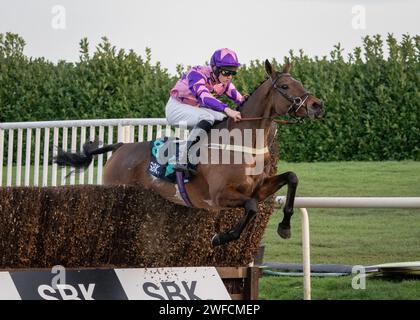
[235,115]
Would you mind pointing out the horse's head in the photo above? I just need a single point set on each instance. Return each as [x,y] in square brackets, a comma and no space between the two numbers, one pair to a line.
[290,97]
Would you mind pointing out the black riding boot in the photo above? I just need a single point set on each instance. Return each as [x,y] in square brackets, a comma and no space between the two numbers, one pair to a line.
[192,139]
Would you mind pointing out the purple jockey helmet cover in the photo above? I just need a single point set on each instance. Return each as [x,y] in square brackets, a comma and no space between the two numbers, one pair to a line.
[224,58]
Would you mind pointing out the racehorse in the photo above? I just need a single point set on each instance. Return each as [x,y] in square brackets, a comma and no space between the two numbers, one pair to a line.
[220,186]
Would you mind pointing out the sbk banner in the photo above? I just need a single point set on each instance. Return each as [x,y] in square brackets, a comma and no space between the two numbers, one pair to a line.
[76,285]
[198,283]
[193,283]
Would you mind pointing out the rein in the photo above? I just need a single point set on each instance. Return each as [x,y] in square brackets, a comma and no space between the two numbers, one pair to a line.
[274,120]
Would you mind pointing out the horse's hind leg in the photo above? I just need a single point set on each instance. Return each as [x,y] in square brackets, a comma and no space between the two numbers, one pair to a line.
[234,234]
[273,184]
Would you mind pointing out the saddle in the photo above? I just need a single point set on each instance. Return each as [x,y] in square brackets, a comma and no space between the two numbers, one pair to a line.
[163,154]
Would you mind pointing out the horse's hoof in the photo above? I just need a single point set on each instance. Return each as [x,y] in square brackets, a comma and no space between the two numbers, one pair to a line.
[284,232]
[216,241]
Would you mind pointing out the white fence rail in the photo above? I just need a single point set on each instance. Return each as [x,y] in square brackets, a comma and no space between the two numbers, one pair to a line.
[36,143]
[337,202]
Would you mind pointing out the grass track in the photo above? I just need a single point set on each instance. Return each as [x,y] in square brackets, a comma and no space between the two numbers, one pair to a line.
[349,236]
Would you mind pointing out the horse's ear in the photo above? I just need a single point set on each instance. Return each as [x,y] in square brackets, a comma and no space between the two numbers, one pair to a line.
[287,66]
[268,67]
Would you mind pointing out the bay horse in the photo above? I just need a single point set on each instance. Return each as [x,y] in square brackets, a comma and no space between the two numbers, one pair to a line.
[219,186]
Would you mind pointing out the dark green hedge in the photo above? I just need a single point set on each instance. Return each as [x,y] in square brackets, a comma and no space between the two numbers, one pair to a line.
[372,102]
[108,84]
[372,97]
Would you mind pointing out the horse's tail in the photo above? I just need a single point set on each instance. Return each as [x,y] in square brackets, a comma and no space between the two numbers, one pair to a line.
[84,158]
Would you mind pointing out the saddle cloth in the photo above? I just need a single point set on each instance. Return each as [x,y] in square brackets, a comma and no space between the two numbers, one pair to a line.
[165,170]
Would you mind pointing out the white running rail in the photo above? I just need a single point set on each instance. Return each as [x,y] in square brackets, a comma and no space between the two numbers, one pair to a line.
[45,136]
[337,202]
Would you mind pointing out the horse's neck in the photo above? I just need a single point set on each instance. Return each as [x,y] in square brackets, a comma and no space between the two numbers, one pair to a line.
[256,106]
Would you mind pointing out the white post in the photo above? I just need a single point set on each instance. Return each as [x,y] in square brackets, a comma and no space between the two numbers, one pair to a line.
[120,134]
[124,134]
[92,164]
[55,150]
[37,151]
[141,133]
[100,157]
[73,149]
[46,156]
[28,157]
[149,133]
[19,158]
[64,147]
[159,131]
[306,255]
[110,139]
[168,132]
[10,159]
[82,142]
[132,134]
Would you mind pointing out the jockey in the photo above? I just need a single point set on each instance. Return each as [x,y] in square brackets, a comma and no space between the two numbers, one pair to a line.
[193,100]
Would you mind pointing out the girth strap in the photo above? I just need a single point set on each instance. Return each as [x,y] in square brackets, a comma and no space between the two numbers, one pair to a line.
[181,187]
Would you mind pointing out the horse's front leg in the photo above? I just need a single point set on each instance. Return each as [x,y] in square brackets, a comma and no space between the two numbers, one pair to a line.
[272,185]
[250,207]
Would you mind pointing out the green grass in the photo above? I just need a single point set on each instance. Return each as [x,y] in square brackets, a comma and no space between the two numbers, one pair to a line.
[339,288]
[349,236]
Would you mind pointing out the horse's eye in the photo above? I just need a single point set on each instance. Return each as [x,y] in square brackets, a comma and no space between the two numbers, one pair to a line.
[285,86]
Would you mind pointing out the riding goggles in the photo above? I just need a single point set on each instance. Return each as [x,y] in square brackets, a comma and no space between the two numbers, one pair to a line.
[227,73]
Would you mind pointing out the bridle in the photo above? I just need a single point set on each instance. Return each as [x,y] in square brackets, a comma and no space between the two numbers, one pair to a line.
[296,103]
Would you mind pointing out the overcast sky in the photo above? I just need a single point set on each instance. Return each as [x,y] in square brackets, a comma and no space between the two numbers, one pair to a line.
[188,31]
